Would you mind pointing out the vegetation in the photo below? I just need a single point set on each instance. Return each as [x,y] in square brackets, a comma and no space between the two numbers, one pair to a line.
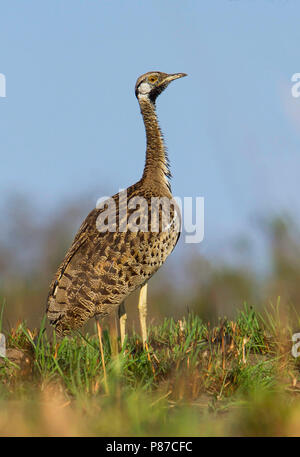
[201,375]
[236,379]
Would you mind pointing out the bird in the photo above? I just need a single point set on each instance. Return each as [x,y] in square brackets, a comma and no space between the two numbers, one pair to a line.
[103,267]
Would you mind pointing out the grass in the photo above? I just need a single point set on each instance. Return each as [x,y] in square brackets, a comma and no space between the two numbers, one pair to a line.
[235,379]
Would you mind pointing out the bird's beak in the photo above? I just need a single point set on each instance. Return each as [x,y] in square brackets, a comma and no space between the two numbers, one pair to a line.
[172,77]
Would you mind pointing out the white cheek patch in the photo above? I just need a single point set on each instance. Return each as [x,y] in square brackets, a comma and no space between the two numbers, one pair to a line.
[144,88]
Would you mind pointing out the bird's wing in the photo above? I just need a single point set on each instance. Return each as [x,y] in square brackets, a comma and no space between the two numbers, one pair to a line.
[72,275]
[88,231]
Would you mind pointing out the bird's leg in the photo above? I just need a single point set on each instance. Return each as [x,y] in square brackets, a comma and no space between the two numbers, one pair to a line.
[99,331]
[122,318]
[143,312]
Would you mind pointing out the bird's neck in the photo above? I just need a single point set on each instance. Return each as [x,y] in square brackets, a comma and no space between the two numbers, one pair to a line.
[156,171]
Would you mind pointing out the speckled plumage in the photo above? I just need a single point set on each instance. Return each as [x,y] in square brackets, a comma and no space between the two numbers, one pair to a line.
[101,269]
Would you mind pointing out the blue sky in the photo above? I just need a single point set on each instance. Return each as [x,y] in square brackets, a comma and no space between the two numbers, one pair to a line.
[70,123]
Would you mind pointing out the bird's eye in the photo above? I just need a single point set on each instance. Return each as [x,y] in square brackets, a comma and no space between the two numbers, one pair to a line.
[152,79]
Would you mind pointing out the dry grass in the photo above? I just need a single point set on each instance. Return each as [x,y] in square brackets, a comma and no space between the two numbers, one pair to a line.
[236,379]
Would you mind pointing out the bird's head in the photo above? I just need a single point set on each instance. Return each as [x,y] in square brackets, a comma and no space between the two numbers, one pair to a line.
[151,84]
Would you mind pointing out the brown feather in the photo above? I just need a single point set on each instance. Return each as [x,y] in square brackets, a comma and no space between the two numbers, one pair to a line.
[101,269]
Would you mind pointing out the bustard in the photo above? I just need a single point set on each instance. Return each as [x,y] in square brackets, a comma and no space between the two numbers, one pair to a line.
[102,268]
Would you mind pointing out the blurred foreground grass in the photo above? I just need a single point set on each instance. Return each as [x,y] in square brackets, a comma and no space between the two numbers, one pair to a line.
[236,379]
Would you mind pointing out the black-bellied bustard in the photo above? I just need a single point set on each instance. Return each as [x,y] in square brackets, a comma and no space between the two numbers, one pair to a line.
[113,256]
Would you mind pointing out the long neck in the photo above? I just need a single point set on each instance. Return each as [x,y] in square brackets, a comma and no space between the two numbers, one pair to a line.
[156,169]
